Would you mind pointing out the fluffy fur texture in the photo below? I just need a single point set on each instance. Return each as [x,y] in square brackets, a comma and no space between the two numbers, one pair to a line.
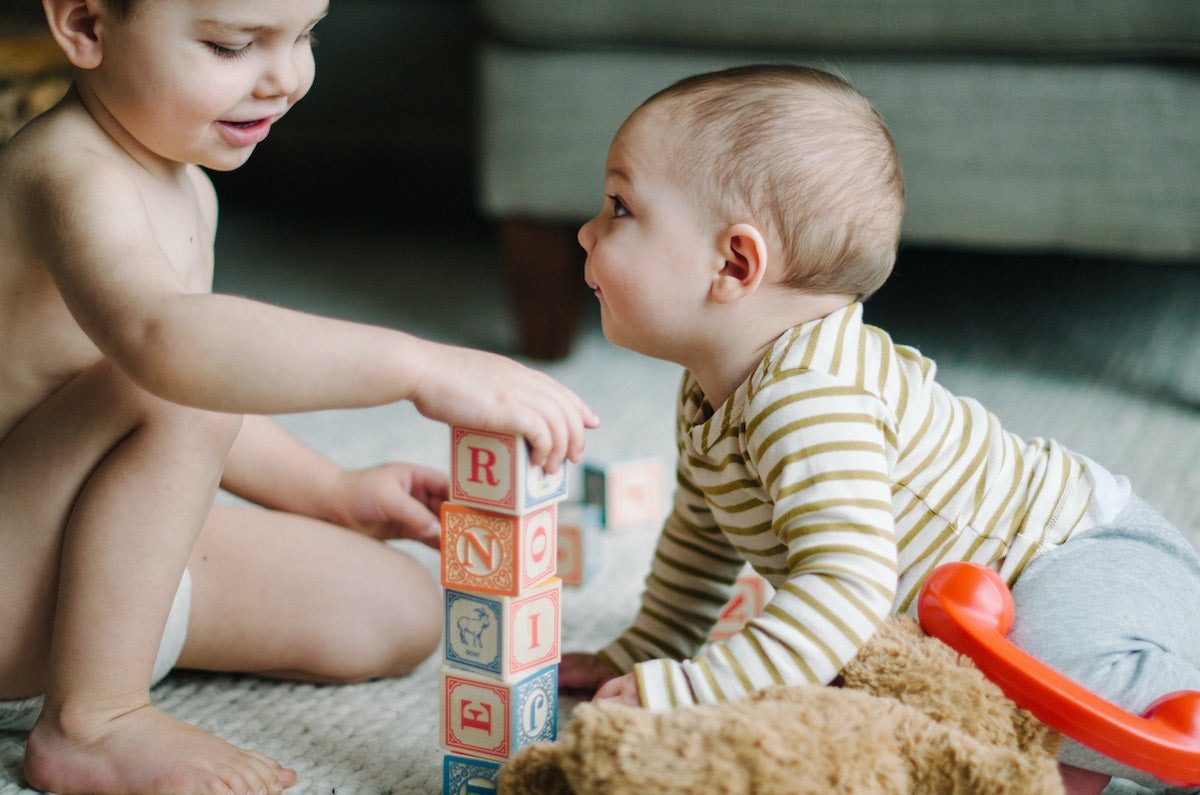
[907,715]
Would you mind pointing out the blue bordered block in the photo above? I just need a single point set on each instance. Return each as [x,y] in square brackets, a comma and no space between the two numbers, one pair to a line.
[492,471]
[492,719]
[631,494]
[504,636]
[463,775]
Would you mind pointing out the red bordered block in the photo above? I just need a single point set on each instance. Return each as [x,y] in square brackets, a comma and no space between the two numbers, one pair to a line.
[462,775]
[631,494]
[578,543]
[492,471]
[497,553]
[493,719]
[750,595]
[504,636]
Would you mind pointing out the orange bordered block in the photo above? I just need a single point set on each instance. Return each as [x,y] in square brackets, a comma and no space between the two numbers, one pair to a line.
[631,494]
[492,471]
[750,595]
[465,776]
[578,543]
[491,719]
[497,553]
[504,636]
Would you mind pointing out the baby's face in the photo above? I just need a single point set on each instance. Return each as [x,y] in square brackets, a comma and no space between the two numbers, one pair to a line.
[203,81]
[651,252]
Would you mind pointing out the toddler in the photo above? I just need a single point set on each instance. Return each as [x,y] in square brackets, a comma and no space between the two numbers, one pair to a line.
[748,214]
[129,392]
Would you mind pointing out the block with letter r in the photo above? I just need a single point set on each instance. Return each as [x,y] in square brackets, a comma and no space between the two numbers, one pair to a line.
[494,719]
[492,471]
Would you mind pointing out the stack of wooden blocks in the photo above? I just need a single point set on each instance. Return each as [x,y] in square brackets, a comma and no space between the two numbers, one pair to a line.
[499,685]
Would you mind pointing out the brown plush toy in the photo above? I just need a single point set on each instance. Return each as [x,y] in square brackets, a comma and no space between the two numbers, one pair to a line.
[907,715]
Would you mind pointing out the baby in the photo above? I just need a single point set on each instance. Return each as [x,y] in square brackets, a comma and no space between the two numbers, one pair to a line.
[749,214]
[129,392]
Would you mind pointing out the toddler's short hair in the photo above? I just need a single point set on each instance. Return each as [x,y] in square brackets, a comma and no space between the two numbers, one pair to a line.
[801,151]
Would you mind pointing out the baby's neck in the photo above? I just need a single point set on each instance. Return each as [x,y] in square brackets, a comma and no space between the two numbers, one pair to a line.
[732,356]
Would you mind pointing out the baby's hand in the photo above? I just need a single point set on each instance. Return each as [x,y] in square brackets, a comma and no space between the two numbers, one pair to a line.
[392,501]
[490,392]
[585,672]
[622,690]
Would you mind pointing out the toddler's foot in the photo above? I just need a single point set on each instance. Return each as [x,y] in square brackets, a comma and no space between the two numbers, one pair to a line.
[146,751]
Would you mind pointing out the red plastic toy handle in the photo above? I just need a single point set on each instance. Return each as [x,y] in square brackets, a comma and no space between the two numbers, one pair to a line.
[969,608]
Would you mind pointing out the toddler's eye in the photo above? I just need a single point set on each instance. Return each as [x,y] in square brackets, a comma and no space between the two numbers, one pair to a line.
[619,209]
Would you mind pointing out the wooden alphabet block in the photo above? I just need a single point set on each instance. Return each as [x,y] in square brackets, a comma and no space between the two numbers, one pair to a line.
[497,553]
[750,595]
[462,775]
[492,719]
[492,471]
[630,493]
[504,636]
[578,542]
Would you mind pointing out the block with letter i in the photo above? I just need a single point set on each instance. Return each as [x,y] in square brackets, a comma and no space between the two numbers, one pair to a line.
[501,646]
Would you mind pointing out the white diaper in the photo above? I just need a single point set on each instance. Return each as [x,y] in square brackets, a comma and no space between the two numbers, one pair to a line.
[20,715]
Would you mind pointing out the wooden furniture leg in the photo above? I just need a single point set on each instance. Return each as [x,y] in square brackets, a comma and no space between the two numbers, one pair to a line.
[544,269]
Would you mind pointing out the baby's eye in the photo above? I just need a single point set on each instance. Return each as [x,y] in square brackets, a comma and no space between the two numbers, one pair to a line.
[226,52]
[619,209]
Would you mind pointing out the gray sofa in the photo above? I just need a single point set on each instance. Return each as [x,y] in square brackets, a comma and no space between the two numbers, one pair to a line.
[1022,126]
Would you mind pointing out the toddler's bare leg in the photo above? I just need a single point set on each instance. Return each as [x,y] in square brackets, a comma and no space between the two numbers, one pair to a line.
[284,595]
[109,487]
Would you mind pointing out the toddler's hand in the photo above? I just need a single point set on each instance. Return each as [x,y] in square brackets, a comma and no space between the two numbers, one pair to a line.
[392,501]
[580,671]
[487,391]
[622,690]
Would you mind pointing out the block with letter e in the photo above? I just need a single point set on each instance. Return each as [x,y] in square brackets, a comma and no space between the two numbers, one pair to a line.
[492,471]
[497,553]
[493,718]
[504,636]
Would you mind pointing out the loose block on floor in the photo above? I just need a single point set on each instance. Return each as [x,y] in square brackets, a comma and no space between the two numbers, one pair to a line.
[630,493]
[497,553]
[578,543]
[750,595]
[463,775]
[504,636]
[493,719]
[492,471]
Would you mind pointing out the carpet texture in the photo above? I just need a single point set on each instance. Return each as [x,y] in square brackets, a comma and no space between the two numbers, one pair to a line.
[1102,356]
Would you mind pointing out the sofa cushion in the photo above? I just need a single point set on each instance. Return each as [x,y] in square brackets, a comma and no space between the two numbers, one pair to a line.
[1141,28]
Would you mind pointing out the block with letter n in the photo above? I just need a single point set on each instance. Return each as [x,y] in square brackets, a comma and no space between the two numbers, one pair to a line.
[492,471]
[497,553]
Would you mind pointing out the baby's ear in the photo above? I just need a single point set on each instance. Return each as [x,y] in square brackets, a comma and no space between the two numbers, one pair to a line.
[73,24]
[745,252]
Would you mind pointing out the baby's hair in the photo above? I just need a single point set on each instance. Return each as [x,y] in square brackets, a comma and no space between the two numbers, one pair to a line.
[120,7]
[800,151]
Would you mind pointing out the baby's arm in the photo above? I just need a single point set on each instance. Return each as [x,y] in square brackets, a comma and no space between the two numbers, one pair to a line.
[231,354]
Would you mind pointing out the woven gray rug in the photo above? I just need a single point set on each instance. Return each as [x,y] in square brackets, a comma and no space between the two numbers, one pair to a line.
[1101,356]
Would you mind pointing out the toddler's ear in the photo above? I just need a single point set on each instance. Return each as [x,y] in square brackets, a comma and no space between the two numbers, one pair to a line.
[745,251]
[73,25]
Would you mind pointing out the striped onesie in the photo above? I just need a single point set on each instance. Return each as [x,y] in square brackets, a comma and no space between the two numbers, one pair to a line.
[844,474]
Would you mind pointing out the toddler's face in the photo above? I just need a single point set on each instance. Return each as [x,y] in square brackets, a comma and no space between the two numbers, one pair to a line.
[651,253]
[202,81]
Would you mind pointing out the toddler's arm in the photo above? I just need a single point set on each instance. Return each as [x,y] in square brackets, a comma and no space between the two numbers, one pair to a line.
[272,468]
[231,354]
